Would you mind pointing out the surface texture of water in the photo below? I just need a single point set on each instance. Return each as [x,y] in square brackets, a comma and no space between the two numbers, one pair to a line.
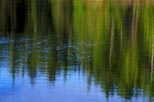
[76,51]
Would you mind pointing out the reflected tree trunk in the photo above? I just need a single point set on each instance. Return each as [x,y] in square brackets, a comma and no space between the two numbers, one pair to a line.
[111,41]
[152,55]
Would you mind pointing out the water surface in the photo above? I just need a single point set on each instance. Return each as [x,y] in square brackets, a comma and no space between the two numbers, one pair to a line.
[76,51]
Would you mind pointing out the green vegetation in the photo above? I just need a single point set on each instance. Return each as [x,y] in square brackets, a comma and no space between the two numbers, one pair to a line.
[113,43]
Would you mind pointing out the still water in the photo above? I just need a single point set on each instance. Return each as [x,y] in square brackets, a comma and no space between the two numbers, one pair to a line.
[76,51]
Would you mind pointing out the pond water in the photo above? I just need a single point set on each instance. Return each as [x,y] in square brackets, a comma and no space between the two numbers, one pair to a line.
[76,51]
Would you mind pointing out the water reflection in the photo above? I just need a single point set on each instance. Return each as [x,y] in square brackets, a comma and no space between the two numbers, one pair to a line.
[89,50]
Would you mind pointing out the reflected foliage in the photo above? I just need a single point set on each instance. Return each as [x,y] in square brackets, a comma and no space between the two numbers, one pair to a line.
[111,42]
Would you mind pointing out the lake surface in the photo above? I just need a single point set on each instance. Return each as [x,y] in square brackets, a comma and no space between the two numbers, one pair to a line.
[76,51]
